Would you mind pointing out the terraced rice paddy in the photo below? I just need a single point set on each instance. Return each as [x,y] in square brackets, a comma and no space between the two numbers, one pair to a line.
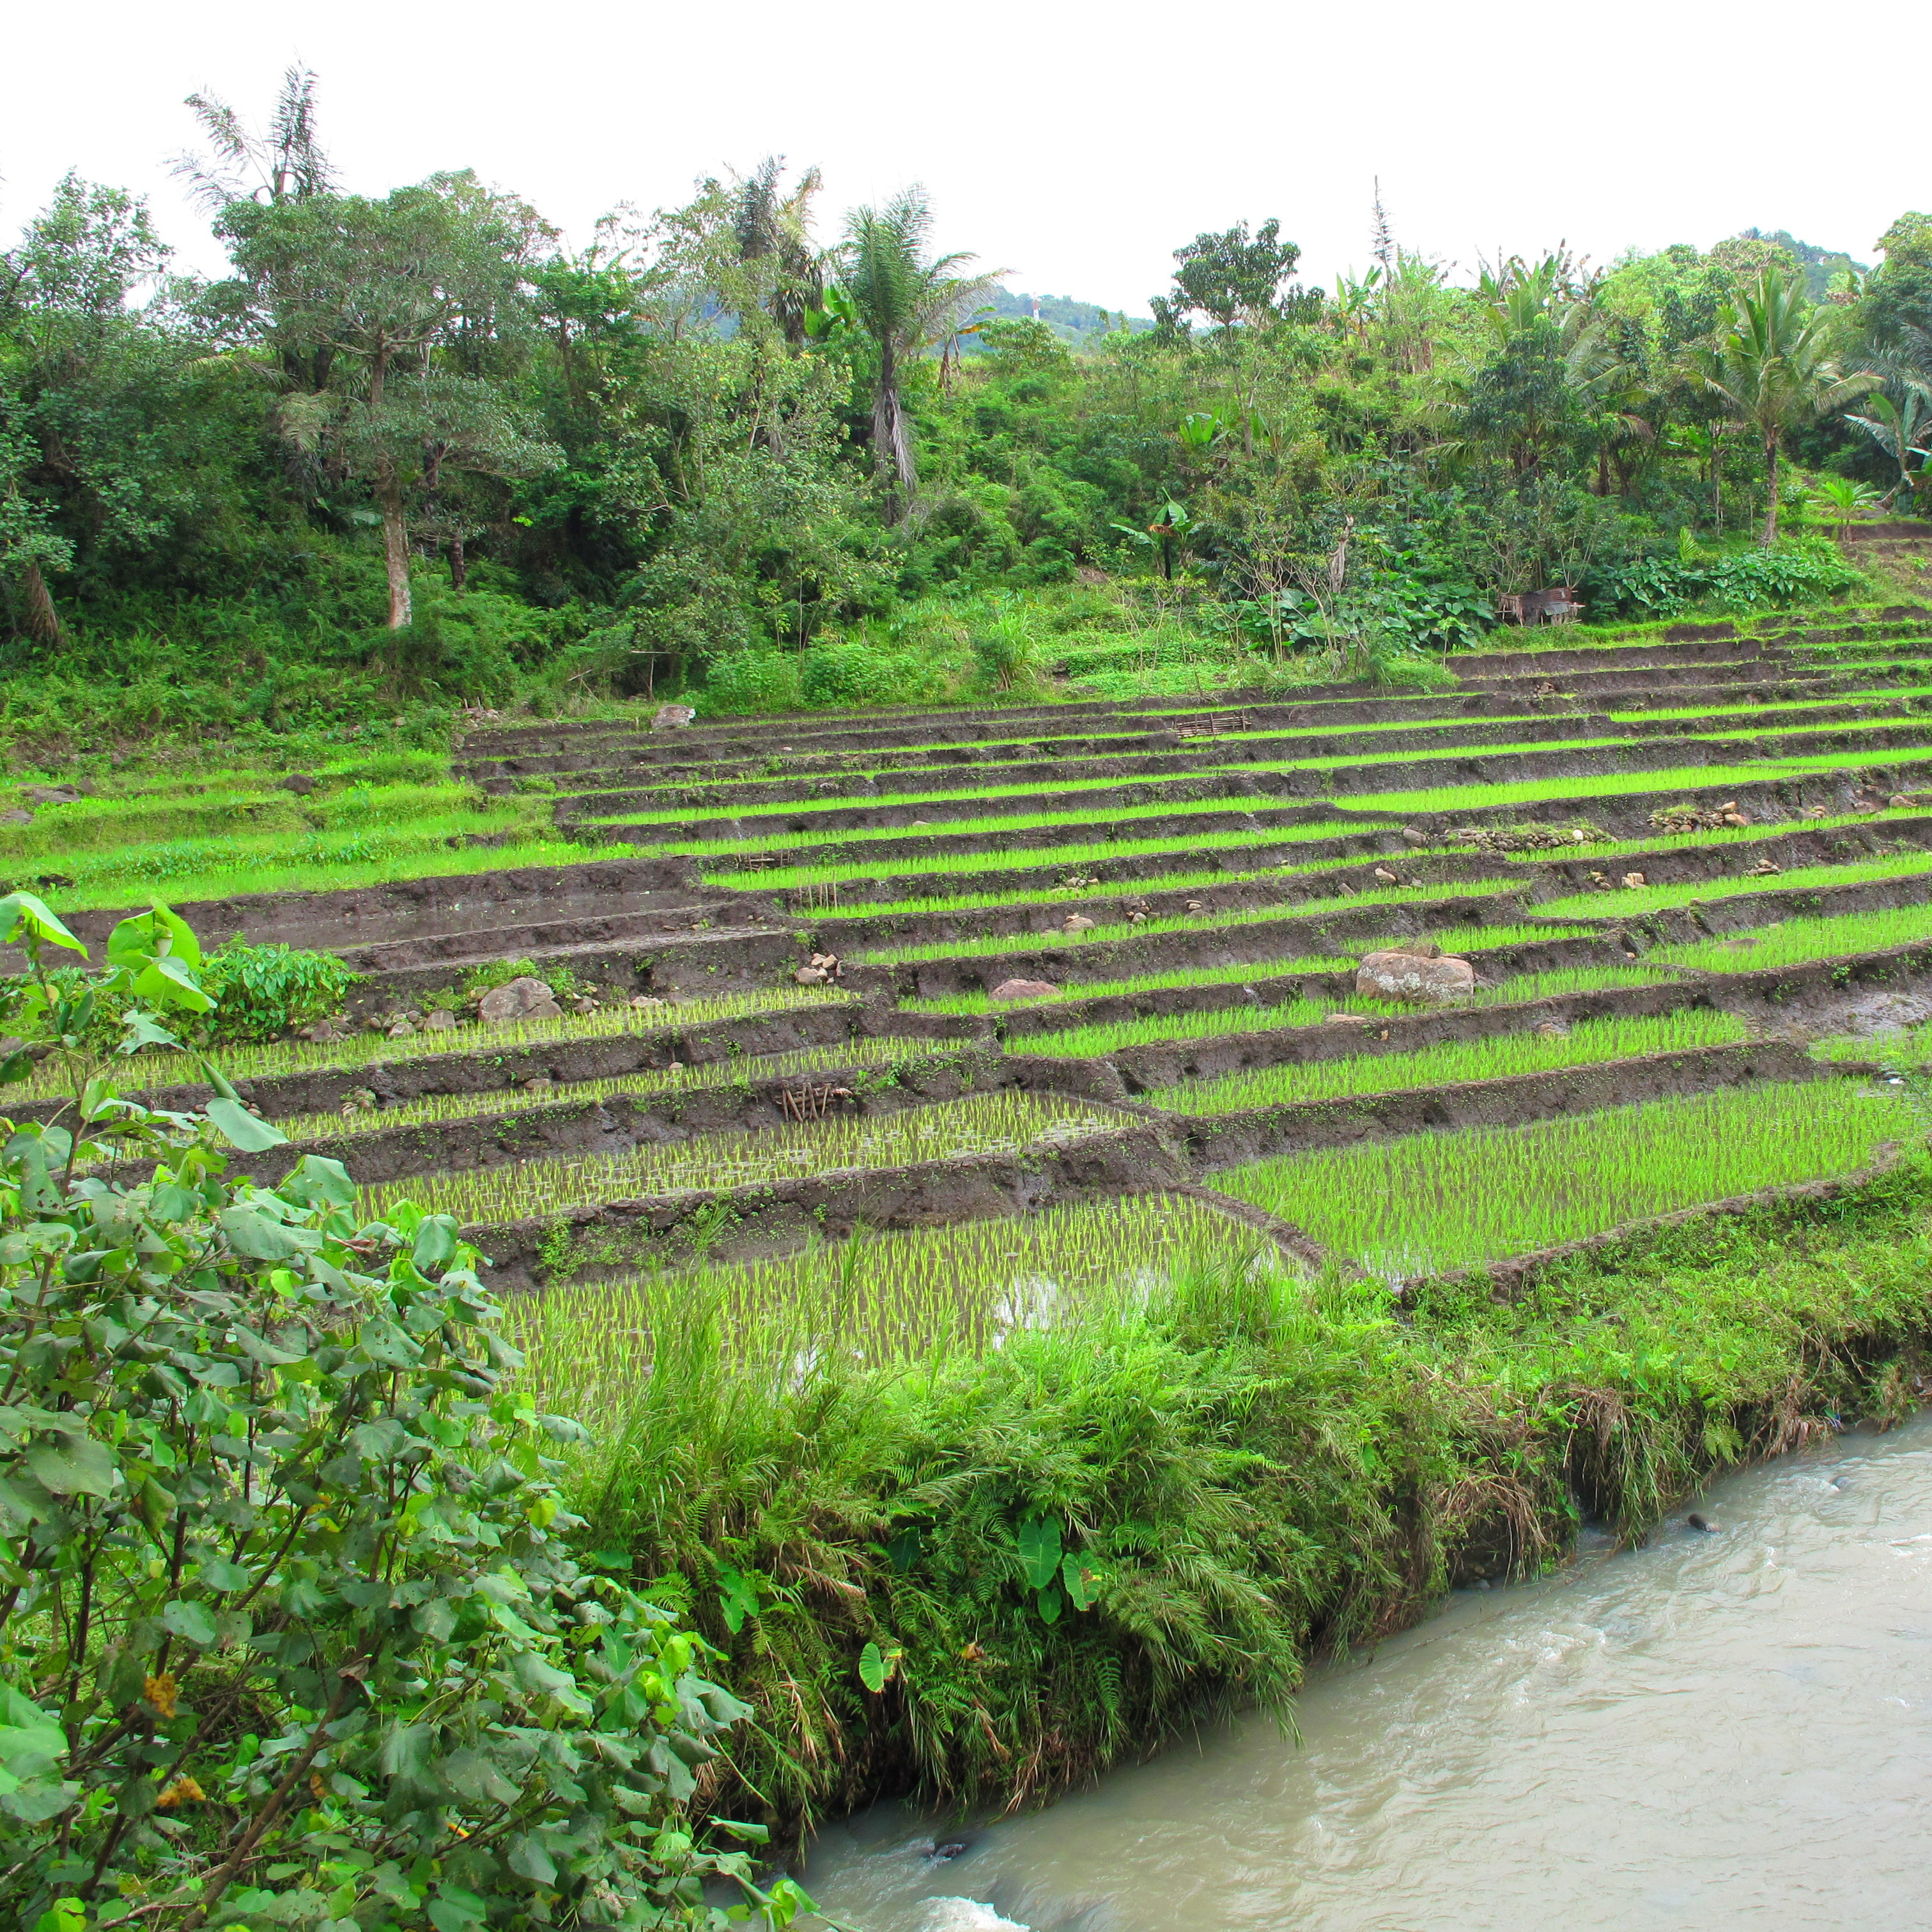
[816,914]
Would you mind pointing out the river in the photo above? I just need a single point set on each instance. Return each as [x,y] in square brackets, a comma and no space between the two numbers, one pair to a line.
[1726,1728]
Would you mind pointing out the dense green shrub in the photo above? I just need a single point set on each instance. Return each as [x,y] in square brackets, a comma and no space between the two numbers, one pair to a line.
[290,1632]
[1794,570]
[753,681]
[261,992]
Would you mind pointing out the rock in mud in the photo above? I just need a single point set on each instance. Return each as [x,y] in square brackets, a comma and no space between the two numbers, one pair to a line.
[1011,991]
[1409,976]
[1077,922]
[297,782]
[16,817]
[441,1021]
[1346,1019]
[811,976]
[526,998]
[56,794]
[672,717]
[1694,1521]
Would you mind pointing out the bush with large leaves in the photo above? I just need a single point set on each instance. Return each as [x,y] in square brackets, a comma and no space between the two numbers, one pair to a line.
[290,1631]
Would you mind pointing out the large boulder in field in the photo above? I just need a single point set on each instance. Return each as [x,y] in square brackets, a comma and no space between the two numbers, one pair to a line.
[524,999]
[1012,991]
[1409,976]
[672,717]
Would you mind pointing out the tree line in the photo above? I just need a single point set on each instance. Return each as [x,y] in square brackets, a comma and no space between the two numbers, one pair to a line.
[718,428]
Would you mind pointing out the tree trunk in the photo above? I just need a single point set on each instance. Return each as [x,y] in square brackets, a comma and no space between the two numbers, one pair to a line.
[459,565]
[395,548]
[892,449]
[1771,490]
[43,623]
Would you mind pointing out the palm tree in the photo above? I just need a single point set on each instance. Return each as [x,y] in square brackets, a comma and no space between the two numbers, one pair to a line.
[903,301]
[1900,424]
[1773,367]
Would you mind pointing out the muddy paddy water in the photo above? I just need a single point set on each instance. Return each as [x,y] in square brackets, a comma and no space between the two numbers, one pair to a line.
[1721,1730]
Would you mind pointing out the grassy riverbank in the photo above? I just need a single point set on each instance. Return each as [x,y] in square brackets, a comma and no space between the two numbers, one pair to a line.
[1239,1469]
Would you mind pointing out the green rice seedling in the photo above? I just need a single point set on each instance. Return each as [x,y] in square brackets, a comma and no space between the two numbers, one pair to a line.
[1792,941]
[1005,1122]
[957,865]
[1610,785]
[1520,987]
[158,1067]
[1588,1043]
[1906,1048]
[1094,1042]
[1026,942]
[1635,902]
[1406,1207]
[901,1296]
[1761,833]
[1237,975]
[1886,696]
[1098,818]
[433,1109]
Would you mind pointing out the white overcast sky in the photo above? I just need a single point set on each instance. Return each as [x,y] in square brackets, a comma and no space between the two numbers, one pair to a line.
[1073,145]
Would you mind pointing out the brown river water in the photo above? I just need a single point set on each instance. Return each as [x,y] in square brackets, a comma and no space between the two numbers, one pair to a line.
[1722,1728]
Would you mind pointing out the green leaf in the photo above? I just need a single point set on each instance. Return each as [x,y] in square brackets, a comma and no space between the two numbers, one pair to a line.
[1051,1602]
[241,1129]
[317,1182]
[16,1066]
[255,1235]
[1080,1585]
[190,1621]
[529,1860]
[874,1670]
[78,1466]
[22,916]
[167,982]
[1039,1538]
[435,1243]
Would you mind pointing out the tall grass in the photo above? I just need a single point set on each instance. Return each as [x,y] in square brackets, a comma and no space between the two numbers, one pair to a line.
[1589,1043]
[986,1124]
[1403,1207]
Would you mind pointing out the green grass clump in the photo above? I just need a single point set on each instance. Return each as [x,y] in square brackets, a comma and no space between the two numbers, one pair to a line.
[1091,1042]
[160,1066]
[1792,941]
[1405,1207]
[982,1002]
[433,1108]
[1636,901]
[885,1297]
[1588,1043]
[1000,1123]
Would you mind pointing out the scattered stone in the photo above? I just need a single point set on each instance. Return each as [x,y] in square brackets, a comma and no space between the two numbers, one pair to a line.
[674,1067]
[643,1000]
[1346,1019]
[1011,991]
[441,1021]
[1137,917]
[402,1028]
[300,783]
[1765,869]
[1077,922]
[829,962]
[585,1005]
[1904,802]
[811,976]
[1196,905]
[55,794]
[1388,878]
[1633,879]
[1694,1521]
[1405,975]
[358,1100]
[538,1083]
[525,998]
[672,717]
[321,1032]
[1551,1029]
[16,817]
[1410,836]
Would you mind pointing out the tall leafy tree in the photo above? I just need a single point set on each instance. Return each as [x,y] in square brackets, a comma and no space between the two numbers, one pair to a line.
[1773,365]
[1232,277]
[904,299]
[413,297]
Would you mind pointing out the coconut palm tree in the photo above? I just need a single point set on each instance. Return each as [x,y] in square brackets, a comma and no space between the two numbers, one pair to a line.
[1773,366]
[904,299]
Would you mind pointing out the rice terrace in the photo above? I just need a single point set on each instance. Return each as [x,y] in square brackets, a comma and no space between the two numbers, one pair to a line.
[835,1098]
